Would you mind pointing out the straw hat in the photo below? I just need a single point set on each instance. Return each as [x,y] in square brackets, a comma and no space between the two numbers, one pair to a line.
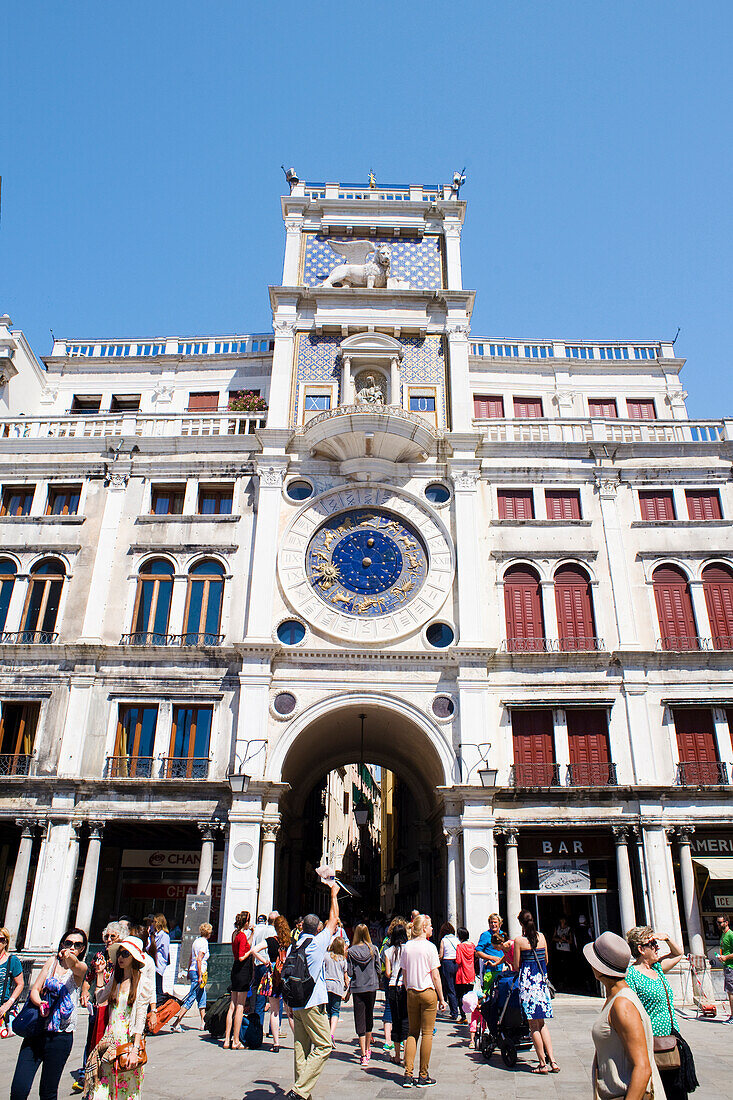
[132,944]
[610,955]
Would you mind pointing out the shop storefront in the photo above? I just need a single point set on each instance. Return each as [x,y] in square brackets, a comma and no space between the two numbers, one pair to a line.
[712,854]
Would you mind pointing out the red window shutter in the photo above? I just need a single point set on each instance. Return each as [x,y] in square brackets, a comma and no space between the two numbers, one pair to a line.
[534,748]
[488,407]
[696,744]
[602,406]
[718,588]
[703,504]
[203,402]
[523,606]
[528,407]
[656,505]
[641,408]
[674,609]
[574,609]
[588,745]
[515,504]
[562,503]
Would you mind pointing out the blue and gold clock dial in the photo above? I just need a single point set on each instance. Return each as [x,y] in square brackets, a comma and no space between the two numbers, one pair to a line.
[366,563]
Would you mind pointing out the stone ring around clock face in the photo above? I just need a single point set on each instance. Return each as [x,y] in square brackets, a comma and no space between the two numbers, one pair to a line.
[366,562]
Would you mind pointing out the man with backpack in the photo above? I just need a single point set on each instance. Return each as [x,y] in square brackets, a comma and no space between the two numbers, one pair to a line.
[303,985]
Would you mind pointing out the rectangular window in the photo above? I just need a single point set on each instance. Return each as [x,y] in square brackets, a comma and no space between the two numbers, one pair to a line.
[422,404]
[562,503]
[527,407]
[18,723]
[134,742]
[189,758]
[85,404]
[590,760]
[534,748]
[641,408]
[488,408]
[125,402]
[602,406]
[17,500]
[215,500]
[697,747]
[516,504]
[63,501]
[317,402]
[656,504]
[203,402]
[167,500]
[703,504]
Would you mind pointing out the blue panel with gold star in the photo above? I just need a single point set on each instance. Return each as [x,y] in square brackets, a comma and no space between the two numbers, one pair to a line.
[366,562]
[419,261]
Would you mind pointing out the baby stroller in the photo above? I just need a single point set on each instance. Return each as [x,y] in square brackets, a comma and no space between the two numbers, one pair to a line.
[505,1023]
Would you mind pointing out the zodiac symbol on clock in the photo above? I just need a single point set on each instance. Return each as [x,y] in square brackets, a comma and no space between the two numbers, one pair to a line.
[369,520]
[392,525]
[340,597]
[328,537]
[407,542]
[400,590]
[377,602]
[413,562]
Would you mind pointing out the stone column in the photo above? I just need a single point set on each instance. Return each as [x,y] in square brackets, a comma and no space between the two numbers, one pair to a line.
[266,895]
[282,365]
[549,612]
[513,888]
[660,880]
[471,599]
[116,481]
[479,872]
[87,893]
[452,834]
[270,473]
[461,399]
[625,888]
[607,485]
[16,898]
[695,939]
[700,609]
[206,866]
[53,886]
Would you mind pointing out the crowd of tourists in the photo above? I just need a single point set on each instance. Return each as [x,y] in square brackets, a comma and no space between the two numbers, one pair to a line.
[305,974]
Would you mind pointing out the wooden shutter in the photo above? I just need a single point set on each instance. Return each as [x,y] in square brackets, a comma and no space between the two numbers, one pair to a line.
[703,504]
[656,504]
[588,744]
[534,748]
[515,504]
[528,407]
[602,406]
[575,624]
[641,408]
[203,402]
[674,609]
[488,407]
[523,606]
[696,744]
[718,588]
[562,503]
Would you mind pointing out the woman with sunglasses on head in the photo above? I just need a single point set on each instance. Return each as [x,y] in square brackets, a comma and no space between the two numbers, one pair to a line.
[646,976]
[11,981]
[115,1066]
[56,993]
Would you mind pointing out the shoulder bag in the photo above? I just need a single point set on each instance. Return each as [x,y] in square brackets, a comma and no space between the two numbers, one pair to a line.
[29,1020]
[666,1050]
[550,987]
[122,1050]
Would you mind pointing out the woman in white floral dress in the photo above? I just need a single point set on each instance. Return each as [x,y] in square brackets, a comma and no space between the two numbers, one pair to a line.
[530,959]
[109,1076]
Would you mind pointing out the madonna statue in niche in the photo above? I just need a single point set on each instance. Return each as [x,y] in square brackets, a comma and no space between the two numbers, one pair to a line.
[369,390]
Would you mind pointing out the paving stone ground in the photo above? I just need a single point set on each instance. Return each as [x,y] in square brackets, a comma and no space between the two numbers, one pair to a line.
[190,1065]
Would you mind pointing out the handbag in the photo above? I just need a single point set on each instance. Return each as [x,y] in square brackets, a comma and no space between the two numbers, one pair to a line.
[29,1020]
[122,1050]
[550,987]
[666,1050]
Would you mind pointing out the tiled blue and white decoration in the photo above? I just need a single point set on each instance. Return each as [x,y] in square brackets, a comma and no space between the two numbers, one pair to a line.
[417,261]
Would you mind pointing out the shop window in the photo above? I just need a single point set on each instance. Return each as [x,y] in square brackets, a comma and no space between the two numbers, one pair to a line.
[697,746]
[125,402]
[63,501]
[590,760]
[656,505]
[603,406]
[134,742]
[703,504]
[42,601]
[152,603]
[18,724]
[515,504]
[574,603]
[189,758]
[534,748]
[7,583]
[85,404]
[488,408]
[641,408]
[525,628]
[203,402]
[528,407]
[167,500]
[215,500]
[17,500]
[203,604]
[718,588]
[674,609]
[562,504]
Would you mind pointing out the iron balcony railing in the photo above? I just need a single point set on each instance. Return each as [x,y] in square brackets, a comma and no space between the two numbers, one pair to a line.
[601,774]
[185,767]
[152,637]
[586,644]
[529,645]
[28,637]
[163,767]
[701,773]
[683,643]
[534,775]
[723,641]
[12,765]
[129,767]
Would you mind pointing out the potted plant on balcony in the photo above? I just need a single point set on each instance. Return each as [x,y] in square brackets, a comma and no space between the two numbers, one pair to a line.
[246,401]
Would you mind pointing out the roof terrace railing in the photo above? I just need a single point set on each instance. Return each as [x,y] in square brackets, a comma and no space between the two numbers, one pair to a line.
[597,429]
[100,425]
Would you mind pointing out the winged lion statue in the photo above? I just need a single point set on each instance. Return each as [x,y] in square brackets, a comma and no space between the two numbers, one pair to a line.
[358,270]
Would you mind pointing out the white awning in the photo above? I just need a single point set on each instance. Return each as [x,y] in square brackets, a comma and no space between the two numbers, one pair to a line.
[718,867]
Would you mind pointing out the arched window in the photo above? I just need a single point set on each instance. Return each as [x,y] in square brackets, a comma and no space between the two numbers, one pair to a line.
[674,608]
[718,587]
[525,627]
[203,604]
[574,603]
[7,583]
[42,602]
[152,603]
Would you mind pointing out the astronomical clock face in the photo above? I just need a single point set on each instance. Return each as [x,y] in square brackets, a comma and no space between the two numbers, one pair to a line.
[367,563]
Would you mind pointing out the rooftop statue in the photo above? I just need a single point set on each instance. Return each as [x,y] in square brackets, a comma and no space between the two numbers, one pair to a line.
[358,271]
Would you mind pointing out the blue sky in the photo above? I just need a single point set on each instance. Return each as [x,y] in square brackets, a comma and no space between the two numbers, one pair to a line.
[143,143]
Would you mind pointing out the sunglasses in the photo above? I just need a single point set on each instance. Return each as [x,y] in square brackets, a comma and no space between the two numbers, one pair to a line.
[73,944]
[123,953]
[651,943]
[3,939]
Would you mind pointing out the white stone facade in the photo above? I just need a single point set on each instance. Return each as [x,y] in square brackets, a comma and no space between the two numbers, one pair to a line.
[147,748]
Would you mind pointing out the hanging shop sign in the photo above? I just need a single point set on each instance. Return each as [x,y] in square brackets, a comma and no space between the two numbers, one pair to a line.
[712,845]
[564,844]
[723,901]
[563,876]
[161,859]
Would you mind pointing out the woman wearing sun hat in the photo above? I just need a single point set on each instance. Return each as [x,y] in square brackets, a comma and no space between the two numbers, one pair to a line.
[624,1064]
[115,1066]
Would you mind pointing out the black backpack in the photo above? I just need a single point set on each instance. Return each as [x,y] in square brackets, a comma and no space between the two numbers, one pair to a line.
[296,983]
[250,1032]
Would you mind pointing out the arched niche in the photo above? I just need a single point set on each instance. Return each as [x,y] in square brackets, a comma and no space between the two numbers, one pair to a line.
[375,353]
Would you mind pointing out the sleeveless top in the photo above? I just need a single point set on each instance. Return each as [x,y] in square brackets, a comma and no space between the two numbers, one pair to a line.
[614,1067]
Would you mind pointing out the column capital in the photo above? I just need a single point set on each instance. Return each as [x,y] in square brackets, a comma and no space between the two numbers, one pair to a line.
[272,472]
[620,834]
[606,486]
[96,828]
[685,834]
[77,827]
[270,830]
[670,831]
[208,829]
[511,836]
[452,833]
[465,478]
[28,827]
